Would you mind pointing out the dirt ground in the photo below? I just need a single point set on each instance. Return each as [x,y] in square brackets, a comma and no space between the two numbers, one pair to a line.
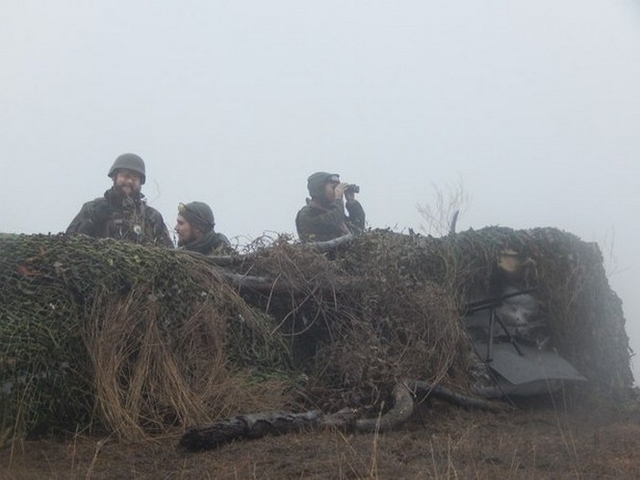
[441,441]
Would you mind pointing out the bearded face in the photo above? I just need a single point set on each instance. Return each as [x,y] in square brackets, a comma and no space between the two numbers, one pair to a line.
[127,182]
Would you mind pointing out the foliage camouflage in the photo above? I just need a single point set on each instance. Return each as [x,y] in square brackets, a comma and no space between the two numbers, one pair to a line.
[107,334]
[103,334]
[585,315]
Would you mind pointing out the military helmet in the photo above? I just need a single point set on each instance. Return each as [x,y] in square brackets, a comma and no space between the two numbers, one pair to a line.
[128,161]
[317,181]
[198,214]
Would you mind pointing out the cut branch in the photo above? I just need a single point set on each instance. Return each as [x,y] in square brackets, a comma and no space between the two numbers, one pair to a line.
[426,389]
[330,244]
[267,284]
[399,414]
[236,259]
[258,425]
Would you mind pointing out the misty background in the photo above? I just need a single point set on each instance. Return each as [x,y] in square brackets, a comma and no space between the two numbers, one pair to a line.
[533,107]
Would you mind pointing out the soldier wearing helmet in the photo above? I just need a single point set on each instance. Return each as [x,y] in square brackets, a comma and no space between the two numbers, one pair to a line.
[324,217]
[122,213]
[194,227]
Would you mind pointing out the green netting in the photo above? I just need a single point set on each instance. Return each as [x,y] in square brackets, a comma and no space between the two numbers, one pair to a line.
[102,334]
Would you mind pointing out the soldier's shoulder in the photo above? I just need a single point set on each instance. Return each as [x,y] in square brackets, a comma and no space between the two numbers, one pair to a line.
[152,212]
[222,239]
[306,210]
[95,202]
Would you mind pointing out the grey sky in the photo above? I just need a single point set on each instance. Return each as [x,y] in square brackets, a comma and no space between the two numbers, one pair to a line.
[535,105]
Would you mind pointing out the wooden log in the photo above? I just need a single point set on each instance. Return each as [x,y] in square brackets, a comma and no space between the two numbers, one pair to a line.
[206,437]
[259,284]
[273,285]
[217,260]
[329,245]
[258,425]
[269,284]
[426,389]
[236,259]
[399,413]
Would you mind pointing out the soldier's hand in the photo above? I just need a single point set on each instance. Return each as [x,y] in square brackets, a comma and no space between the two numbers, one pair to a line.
[338,192]
[350,195]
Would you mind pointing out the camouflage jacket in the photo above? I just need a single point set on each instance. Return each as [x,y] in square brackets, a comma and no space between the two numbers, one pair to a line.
[212,243]
[122,218]
[319,223]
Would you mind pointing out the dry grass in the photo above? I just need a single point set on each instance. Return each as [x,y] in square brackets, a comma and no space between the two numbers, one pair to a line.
[126,340]
[151,371]
[131,340]
[450,444]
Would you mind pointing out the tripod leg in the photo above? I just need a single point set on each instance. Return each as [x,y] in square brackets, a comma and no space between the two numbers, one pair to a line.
[490,342]
[511,339]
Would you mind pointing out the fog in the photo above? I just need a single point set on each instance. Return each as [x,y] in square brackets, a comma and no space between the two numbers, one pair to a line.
[534,107]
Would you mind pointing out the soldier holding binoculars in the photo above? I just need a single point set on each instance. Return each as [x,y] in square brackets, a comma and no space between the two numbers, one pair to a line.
[324,217]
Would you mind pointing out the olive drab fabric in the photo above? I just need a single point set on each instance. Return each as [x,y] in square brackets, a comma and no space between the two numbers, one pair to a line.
[318,222]
[317,181]
[129,161]
[199,215]
[212,243]
[321,220]
[123,218]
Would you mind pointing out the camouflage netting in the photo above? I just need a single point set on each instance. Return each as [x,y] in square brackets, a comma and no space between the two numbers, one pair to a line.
[101,334]
[96,333]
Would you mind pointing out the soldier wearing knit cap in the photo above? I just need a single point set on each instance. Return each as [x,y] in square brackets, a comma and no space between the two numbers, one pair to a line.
[324,217]
[194,227]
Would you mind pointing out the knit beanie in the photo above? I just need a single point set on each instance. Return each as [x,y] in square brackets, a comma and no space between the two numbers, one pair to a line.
[198,214]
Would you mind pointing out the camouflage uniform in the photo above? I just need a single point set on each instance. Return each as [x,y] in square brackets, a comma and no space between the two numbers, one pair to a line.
[123,218]
[318,223]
